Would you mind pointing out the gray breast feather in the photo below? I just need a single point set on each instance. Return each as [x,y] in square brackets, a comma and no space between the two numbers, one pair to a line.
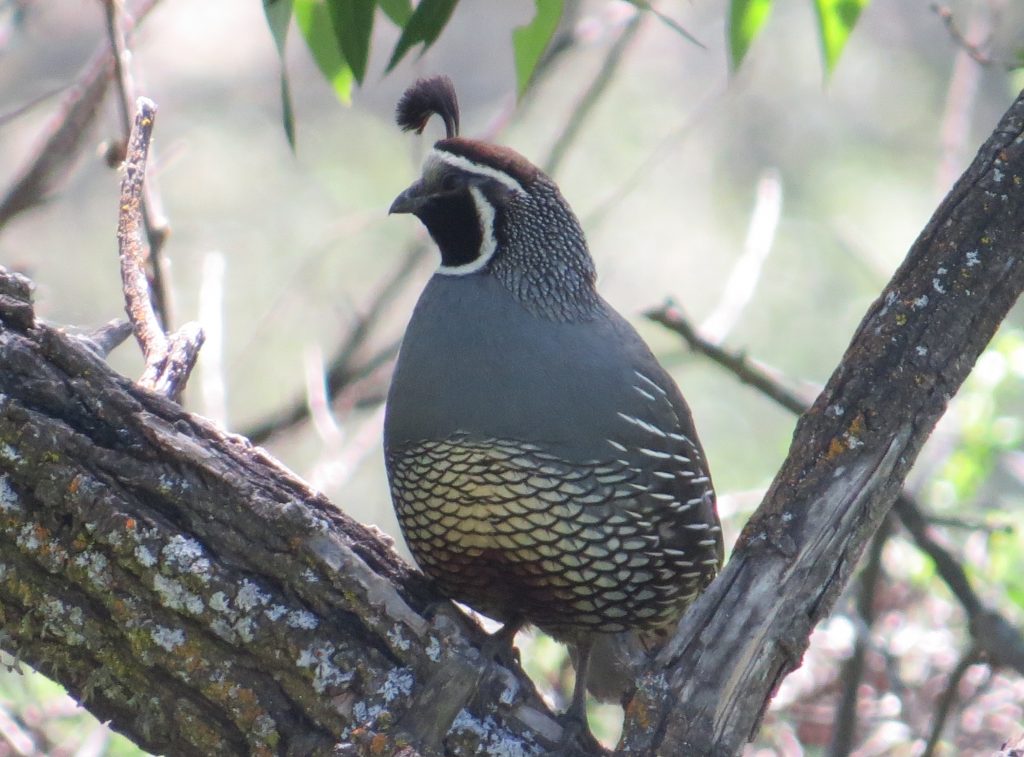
[474,361]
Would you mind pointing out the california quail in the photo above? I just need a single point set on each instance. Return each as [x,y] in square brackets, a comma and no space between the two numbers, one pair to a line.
[544,467]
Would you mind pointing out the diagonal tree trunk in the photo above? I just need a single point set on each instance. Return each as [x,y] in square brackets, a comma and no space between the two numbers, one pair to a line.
[846,465]
[186,587]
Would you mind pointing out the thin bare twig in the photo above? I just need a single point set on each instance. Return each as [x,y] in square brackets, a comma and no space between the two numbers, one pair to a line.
[590,98]
[147,327]
[656,156]
[107,337]
[976,52]
[317,402]
[960,97]
[154,221]
[672,318]
[947,699]
[970,525]
[211,359]
[64,135]
[342,368]
[742,282]
[17,738]
[169,361]
[853,669]
[25,107]
[993,634]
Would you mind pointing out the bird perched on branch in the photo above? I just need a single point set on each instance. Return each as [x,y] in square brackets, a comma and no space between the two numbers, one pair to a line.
[544,467]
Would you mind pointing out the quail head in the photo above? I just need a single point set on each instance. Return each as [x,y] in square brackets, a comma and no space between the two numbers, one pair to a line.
[543,466]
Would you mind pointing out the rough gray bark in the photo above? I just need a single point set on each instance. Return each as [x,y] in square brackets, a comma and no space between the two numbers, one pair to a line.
[850,454]
[189,589]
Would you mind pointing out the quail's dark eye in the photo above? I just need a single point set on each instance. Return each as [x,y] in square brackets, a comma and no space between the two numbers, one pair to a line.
[450,183]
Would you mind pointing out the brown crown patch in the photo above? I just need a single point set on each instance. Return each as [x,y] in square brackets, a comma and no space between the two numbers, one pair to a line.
[504,159]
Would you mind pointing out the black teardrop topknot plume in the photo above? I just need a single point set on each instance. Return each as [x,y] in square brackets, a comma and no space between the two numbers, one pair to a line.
[425,98]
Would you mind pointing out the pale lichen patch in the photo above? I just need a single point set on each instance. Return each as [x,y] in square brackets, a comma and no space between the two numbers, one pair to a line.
[7,452]
[303,619]
[9,502]
[366,714]
[95,565]
[250,596]
[319,658]
[27,539]
[219,602]
[493,739]
[433,649]
[395,636]
[62,620]
[146,558]
[175,596]
[276,612]
[167,638]
[186,556]
[399,682]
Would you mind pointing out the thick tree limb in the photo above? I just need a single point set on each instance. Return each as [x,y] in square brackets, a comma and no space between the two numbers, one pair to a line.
[186,587]
[851,451]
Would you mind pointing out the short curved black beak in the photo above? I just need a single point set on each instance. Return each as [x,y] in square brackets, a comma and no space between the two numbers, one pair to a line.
[410,200]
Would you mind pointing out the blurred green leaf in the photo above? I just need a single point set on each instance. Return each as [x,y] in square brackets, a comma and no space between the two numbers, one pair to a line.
[529,42]
[1006,564]
[836,19]
[314,21]
[746,19]
[399,11]
[424,25]
[279,16]
[670,22]
[353,24]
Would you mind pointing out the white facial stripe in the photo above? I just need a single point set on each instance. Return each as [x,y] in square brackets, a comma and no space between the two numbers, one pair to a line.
[465,164]
[485,212]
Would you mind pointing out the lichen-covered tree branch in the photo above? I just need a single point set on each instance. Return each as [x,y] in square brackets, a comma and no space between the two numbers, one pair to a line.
[186,587]
[189,589]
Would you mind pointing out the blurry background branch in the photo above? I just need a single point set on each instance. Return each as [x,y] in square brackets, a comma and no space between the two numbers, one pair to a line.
[153,219]
[1003,648]
[65,134]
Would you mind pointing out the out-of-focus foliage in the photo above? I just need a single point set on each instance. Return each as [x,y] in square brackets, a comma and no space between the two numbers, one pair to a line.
[339,33]
[314,21]
[530,41]
[746,18]
[279,15]
[836,19]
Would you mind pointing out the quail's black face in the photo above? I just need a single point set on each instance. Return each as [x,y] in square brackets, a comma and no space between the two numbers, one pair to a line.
[458,202]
